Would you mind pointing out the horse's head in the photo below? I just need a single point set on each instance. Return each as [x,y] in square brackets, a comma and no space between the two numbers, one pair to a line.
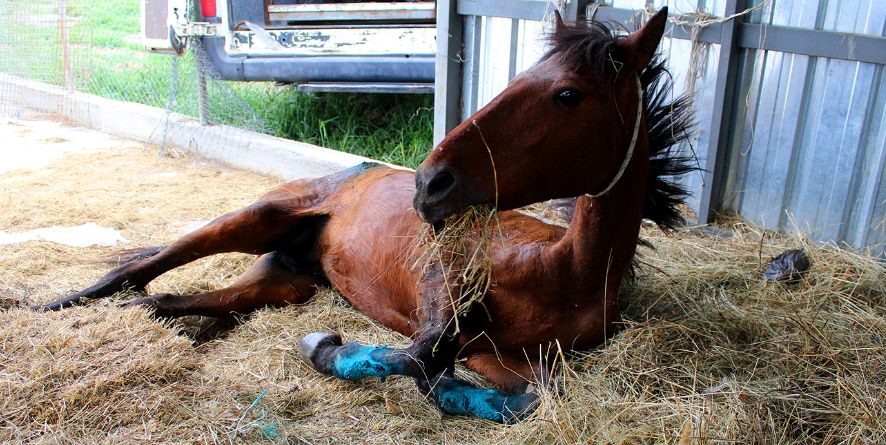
[560,129]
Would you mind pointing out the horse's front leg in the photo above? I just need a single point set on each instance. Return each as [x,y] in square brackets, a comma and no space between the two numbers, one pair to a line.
[431,371]
[326,353]
[429,360]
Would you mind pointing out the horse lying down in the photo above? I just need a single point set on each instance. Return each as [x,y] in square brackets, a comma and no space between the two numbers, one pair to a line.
[590,119]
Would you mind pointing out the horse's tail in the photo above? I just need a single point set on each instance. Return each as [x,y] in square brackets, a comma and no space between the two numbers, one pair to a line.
[124,256]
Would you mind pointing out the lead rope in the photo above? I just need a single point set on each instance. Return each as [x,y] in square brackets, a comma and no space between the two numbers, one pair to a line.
[630,154]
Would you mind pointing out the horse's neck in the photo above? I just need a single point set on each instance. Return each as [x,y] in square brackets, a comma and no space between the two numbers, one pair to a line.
[597,249]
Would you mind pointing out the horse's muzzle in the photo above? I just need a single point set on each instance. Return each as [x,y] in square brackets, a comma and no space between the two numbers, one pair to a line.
[438,193]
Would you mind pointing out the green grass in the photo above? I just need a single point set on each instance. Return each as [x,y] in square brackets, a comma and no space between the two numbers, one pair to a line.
[391,128]
[109,61]
[107,23]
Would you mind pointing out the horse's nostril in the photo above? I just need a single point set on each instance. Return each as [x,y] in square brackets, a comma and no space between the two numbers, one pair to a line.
[441,183]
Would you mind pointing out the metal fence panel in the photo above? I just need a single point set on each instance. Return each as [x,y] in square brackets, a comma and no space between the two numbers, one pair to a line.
[499,60]
[808,154]
[714,7]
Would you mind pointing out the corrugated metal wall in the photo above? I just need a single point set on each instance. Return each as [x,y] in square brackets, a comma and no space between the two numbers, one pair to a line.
[807,152]
[808,148]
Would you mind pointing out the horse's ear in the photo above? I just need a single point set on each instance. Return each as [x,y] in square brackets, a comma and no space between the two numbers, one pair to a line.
[637,49]
[559,25]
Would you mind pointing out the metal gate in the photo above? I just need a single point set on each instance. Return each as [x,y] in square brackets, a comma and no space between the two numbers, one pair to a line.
[790,98]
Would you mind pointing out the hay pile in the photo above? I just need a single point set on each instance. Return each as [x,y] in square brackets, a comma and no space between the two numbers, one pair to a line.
[708,353]
[711,351]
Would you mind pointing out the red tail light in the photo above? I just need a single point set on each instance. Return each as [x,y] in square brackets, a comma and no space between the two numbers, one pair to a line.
[207,8]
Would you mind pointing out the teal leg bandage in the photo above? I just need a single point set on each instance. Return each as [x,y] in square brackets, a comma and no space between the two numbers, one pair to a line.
[354,361]
[457,397]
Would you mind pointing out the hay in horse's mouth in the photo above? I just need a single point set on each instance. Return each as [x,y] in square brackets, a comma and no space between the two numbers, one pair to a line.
[460,247]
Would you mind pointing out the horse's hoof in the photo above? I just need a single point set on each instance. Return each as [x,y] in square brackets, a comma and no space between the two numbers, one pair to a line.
[312,344]
[458,397]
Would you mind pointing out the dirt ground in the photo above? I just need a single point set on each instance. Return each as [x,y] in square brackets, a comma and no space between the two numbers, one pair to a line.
[709,352]
[55,175]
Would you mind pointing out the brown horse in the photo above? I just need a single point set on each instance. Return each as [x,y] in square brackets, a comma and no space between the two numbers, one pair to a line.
[589,120]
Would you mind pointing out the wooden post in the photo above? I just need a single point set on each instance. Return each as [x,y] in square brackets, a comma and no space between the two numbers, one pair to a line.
[66,46]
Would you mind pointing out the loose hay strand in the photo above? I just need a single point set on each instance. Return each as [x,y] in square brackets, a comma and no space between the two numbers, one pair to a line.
[461,249]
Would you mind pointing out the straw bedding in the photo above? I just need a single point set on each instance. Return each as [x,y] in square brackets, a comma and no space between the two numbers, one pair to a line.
[708,353]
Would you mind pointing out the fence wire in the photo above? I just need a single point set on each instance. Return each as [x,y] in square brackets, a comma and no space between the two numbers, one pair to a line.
[92,46]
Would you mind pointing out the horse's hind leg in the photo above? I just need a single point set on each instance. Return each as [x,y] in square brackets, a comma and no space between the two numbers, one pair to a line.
[269,282]
[275,223]
[122,257]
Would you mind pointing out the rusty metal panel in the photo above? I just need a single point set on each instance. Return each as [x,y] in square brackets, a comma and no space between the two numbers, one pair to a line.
[155,26]
[333,12]
[415,40]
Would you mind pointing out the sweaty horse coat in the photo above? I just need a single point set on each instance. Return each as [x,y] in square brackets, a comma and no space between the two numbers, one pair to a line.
[589,120]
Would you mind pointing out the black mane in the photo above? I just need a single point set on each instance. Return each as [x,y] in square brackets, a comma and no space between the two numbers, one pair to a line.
[588,45]
[595,46]
[668,125]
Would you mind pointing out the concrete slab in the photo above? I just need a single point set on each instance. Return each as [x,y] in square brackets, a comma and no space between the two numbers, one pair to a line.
[232,146]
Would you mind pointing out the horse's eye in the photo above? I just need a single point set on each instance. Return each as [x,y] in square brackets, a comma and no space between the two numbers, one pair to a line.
[568,97]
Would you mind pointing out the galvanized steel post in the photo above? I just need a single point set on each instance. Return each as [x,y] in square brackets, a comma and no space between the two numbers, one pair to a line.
[721,117]
[447,78]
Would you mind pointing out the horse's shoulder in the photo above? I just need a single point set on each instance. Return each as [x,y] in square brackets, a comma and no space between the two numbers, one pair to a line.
[520,228]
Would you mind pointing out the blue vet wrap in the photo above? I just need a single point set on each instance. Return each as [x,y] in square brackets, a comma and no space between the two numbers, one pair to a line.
[461,398]
[354,361]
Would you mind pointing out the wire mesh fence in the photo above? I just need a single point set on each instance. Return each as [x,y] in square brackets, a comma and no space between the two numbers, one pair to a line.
[89,46]
[94,47]
[25,31]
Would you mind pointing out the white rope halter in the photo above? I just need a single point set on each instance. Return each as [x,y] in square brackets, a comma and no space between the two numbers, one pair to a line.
[630,154]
